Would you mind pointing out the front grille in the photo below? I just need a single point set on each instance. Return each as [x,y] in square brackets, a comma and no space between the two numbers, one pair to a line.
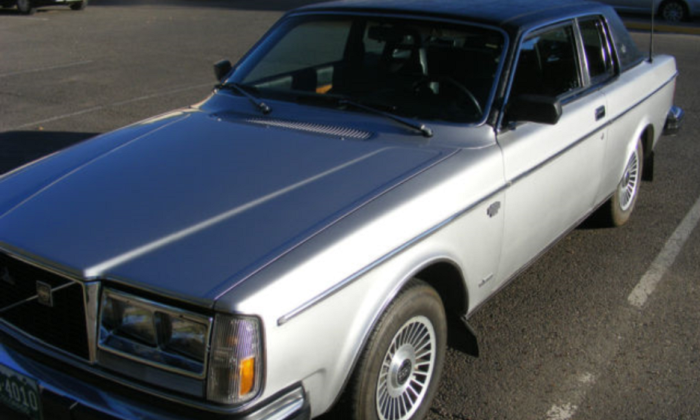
[61,325]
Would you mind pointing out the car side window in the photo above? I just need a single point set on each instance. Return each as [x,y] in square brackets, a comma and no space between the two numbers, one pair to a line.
[548,64]
[597,50]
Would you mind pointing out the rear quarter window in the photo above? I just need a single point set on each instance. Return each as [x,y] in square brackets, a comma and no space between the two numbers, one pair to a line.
[627,51]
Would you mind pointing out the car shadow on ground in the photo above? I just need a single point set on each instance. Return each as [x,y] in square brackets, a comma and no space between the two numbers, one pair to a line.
[20,147]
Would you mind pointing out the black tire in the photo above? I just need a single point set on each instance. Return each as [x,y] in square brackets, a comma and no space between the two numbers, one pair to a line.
[673,11]
[79,5]
[625,196]
[26,7]
[402,360]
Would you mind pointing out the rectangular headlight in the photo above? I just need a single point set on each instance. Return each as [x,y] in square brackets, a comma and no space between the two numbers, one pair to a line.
[155,334]
[235,363]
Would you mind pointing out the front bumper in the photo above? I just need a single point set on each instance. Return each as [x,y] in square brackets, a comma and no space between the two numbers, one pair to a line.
[67,396]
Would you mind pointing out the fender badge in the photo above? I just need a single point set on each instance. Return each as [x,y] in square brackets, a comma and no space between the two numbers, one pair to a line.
[493,209]
[44,294]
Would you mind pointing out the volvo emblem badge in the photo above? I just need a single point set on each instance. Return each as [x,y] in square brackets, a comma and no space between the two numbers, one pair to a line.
[44,294]
[6,277]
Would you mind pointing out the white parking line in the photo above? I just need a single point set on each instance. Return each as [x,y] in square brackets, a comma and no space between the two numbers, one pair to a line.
[665,259]
[98,108]
[561,412]
[62,66]
[574,388]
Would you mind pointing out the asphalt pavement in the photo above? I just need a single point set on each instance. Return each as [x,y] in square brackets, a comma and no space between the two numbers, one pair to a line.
[569,339]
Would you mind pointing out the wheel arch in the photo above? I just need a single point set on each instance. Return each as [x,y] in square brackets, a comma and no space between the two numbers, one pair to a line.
[647,137]
[646,132]
[444,276]
[448,279]
[449,283]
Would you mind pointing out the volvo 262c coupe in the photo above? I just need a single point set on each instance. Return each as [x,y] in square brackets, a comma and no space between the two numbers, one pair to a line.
[314,231]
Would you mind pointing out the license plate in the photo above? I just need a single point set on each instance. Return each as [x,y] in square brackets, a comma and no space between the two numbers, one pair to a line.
[20,393]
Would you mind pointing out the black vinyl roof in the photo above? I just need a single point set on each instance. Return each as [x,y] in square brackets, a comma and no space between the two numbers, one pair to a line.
[511,15]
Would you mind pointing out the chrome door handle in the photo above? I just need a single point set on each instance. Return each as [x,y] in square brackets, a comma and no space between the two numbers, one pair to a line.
[600,113]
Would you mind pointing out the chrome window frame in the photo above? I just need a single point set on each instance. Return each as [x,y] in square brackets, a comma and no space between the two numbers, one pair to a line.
[502,123]
[600,80]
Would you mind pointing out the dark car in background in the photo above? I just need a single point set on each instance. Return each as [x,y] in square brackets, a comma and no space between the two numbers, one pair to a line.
[669,10]
[28,7]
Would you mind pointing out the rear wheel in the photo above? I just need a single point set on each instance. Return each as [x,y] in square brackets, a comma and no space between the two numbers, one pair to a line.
[79,5]
[625,196]
[398,373]
[26,7]
[673,11]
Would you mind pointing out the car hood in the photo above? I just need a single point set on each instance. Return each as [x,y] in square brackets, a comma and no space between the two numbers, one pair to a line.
[195,205]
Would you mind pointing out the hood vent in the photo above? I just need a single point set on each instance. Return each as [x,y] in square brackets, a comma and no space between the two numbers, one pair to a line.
[327,130]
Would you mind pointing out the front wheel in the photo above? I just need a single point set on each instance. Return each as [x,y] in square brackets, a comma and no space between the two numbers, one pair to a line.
[398,373]
[81,5]
[26,7]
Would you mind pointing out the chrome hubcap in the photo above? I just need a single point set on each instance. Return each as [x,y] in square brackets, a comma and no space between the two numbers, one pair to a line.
[673,12]
[629,185]
[406,370]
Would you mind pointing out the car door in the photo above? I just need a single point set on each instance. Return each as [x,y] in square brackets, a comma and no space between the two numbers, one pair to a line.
[552,170]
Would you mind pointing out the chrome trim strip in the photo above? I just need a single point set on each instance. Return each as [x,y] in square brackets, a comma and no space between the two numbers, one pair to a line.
[587,136]
[534,259]
[38,263]
[92,305]
[13,331]
[641,101]
[347,281]
[29,299]
[415,172]
[282,408]
[556,155]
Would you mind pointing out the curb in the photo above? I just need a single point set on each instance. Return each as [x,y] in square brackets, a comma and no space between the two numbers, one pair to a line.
[677,29]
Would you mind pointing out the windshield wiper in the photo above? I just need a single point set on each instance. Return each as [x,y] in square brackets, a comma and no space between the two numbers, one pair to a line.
[241,89]
[421,128]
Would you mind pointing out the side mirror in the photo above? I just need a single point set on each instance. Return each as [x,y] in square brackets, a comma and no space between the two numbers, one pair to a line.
[535,108]
[221,69]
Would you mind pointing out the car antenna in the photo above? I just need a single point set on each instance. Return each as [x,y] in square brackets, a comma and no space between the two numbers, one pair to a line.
[651,34]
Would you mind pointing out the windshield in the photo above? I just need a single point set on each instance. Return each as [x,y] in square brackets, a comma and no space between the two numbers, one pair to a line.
[416,69]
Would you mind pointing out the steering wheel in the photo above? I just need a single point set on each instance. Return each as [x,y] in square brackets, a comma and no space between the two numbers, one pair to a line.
[450,81]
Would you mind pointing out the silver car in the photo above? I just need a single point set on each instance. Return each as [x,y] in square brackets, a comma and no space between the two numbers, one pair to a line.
[314,233]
